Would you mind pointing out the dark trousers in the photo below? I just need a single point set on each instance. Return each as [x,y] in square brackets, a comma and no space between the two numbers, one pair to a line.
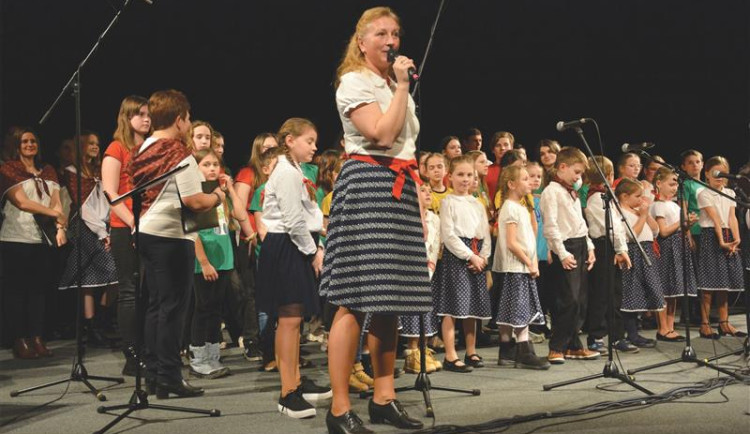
[244,264]
[570,305]
[27,281]
[123,253]
[168,264]
[599,307]
[209,297]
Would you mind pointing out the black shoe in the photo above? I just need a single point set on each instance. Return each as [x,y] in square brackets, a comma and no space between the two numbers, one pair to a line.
[95,339]
[641,342]
[474,360]
[713,335]
[736,333]
[397,372]
[182,389]
[131,364]
[294,405]
[453,367]
[506,354]
[393,414]
[347,423]
[526,358]
[252,352]
[666,338]
[313,392]
[150,384]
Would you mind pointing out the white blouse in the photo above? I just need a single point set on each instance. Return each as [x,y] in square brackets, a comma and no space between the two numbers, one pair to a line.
[505,261]
[20,226]
[646,233]
[287,207]
[464,217]
[432,244]
[595,219]
[363,87]
[722,205]
[667,210]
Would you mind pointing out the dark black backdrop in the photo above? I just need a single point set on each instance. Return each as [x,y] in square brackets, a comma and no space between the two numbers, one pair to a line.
[673,72]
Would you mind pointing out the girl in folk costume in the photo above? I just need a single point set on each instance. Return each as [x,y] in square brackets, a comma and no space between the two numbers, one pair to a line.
[672,250]
[29,191]
[461,291]
[410,323]
[516,267]
[97,264]
[290,262]
[641,284]
[719,264]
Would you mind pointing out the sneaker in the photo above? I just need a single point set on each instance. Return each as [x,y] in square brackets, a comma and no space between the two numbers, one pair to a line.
[641,342]
[556,357]
[270,367]
[294,405]
[624,346]
[582,354]
[431,361]
[412,363]
[312,392]
[597,345]
[356,386]
[252,353]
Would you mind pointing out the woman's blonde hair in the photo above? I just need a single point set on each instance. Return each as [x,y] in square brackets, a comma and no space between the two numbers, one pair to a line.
[353,58]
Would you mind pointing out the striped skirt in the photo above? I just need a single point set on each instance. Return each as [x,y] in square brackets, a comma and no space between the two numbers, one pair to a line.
[375,257]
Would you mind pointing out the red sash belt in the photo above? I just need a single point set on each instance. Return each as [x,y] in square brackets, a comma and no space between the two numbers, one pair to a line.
[475,246]
[401,167]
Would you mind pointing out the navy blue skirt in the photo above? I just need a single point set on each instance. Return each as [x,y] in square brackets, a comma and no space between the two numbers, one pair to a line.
[285,277]
[375,254]
[641,284]
[459,292]
[716,270]
[671,269]
[518,304]
[97,264]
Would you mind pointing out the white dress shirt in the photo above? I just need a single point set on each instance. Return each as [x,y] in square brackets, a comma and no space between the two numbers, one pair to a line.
[432,244]
[287,207]
[464,217]
[595,220]
[646,233]
[563,219]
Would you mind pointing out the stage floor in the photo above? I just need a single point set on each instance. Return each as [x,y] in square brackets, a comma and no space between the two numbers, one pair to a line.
[247,399]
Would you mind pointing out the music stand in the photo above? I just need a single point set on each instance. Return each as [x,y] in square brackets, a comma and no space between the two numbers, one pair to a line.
[139,398]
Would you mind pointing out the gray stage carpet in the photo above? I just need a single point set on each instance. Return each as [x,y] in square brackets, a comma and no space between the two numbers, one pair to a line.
[247,399]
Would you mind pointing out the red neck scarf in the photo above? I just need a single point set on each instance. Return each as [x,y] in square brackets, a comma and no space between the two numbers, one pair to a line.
[159,158]
[567,187]
[593,189]
[87,185]
[14,172]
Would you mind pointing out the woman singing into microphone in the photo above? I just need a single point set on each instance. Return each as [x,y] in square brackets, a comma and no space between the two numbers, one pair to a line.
[376,260]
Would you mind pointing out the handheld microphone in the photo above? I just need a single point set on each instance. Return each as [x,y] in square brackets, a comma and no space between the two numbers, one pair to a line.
[562,126]
[638,147]
[392,54]
[720,174]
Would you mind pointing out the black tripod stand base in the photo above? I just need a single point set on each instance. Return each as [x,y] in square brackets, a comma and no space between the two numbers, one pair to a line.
[139,401]
[688,356]
[610,371]
[79,374]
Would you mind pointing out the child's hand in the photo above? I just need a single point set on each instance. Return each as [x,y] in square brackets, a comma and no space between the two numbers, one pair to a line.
[622,260]
[534,269]
[209,272]
[692,219]
[317,262]
[476,263]
[591,260]
[431,265]
[643,207]
[225,182]
[691,241]
[569,263]
[107,244]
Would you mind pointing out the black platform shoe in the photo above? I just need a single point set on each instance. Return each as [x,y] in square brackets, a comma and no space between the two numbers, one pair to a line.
[182,389]
[393,414]
[347,423]
[131,364]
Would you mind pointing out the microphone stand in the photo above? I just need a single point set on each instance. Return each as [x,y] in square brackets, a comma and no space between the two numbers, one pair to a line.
[79,372]
[610,368]
[139,398]
[688,353]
